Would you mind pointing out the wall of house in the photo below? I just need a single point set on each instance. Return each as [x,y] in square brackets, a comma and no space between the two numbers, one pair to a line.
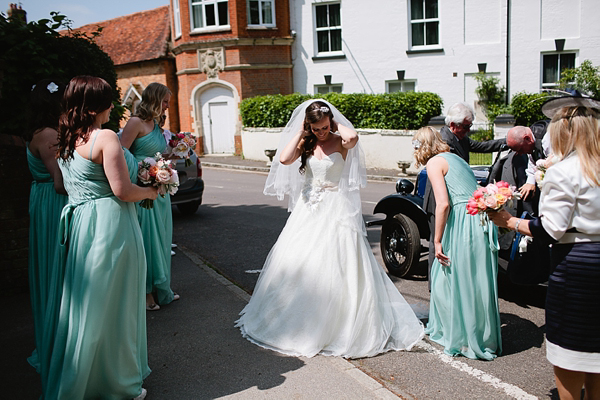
[376,45]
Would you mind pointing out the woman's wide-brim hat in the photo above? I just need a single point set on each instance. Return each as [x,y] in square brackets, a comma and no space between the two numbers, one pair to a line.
[550,107]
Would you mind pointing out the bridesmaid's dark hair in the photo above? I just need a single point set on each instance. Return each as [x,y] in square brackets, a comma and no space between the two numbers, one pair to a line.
[44,106]
[314,113]
[85,97]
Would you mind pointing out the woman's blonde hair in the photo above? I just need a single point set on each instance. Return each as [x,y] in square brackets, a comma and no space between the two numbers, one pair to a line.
[577,129]
[428,142]
[150,108]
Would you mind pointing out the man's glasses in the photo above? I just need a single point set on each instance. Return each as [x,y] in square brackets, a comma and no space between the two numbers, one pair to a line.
[464,126]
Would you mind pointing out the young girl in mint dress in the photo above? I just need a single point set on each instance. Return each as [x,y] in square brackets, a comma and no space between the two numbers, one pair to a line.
[144,138]
[46,201]
[100,348]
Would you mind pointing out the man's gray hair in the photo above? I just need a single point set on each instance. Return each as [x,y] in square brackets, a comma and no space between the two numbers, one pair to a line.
[459,112]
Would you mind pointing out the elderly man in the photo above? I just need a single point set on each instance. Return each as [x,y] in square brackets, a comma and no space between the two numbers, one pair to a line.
[459,120]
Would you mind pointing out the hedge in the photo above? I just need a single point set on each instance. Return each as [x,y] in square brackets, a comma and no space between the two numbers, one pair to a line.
[527,107]
[401,110]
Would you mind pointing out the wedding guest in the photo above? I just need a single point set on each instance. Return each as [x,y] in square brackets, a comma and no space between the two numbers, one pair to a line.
[321,291]
[569,209]
[463,313]
[100,348]
[143,136]
[46,201]
[459,120]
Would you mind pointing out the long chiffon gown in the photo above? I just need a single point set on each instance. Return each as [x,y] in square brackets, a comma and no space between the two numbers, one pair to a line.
[321,290]
[100,350]
[463,311]
[45,206]
[156,224]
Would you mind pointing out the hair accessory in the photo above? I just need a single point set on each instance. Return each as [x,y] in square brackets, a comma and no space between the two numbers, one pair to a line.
[52,87]
[416,144]
[324,109]
[33,87]
[550,107]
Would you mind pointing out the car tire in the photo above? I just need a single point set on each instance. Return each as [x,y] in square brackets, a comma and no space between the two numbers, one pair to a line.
[188,208]
[400,244]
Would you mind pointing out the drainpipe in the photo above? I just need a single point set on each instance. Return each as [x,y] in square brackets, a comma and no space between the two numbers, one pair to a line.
[507,51]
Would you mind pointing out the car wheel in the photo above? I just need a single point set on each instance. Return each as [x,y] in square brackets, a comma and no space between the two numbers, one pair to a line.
[400,244]
[188,208]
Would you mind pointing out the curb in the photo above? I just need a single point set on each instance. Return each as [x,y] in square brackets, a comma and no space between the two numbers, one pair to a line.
[266,170]
[379,391]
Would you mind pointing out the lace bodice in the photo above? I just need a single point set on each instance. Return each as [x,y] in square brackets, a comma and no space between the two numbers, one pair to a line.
[322,176]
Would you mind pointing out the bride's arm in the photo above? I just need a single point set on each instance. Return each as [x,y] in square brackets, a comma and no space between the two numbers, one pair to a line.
[349,136]
[293,149]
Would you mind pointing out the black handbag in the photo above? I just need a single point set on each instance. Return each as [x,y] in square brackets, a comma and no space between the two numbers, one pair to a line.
[532,266]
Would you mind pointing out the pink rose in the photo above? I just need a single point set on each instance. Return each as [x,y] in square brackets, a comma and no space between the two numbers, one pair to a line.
[163,176]
[502,184]
[144,175]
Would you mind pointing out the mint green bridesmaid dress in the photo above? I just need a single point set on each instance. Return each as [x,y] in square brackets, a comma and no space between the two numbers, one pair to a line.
[463,313]
[100,346]
[45,206]
[156,224]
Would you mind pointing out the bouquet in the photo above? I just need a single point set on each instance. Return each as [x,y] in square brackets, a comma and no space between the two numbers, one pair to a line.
[158,172]
[493,197]
[541,166]
[182,145]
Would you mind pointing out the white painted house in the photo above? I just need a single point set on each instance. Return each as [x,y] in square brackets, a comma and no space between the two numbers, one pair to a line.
[379,46]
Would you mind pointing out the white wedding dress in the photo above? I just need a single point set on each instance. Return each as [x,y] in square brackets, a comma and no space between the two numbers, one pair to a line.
[321,291]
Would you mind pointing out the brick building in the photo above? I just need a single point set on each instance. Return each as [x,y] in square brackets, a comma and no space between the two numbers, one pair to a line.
[211,54]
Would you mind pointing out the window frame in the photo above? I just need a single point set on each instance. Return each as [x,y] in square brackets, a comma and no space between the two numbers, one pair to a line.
[553,85]
[329,88]
[401,82]
[318,53]
[176,19]
[210,28]
[261,24]
[424,21]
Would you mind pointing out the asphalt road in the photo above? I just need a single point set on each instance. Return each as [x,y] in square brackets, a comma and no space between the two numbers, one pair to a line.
[237,225]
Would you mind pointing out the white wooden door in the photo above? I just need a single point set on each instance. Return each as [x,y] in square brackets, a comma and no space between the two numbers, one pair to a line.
[218,120]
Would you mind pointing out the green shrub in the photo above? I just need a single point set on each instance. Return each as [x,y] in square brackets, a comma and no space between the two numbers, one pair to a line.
[585,78]
[36,50]
[408,110]
[527,107]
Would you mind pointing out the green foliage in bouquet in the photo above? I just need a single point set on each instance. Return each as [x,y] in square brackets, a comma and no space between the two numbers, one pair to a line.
[37,50]
[402,110]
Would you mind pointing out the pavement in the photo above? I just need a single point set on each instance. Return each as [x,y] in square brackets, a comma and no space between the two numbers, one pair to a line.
[195,351]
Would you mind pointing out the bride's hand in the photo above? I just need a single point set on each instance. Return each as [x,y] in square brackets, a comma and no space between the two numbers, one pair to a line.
[441,257]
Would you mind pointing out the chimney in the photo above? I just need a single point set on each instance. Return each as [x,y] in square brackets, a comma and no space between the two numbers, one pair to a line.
[15,12]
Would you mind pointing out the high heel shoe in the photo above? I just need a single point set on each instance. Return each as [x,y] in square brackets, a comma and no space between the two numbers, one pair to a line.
[152,307]
[142,395]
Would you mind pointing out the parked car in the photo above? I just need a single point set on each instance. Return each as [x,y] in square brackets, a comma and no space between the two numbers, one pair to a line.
[405,223]
[191,186]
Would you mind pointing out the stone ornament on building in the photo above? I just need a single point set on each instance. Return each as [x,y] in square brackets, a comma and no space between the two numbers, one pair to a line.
[212,61]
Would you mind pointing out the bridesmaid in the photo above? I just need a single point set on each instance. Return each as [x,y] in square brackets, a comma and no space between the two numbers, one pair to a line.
[143,136]
[46,201]
[100,349]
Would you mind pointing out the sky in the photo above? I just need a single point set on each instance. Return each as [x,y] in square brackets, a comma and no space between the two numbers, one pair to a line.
[83,12]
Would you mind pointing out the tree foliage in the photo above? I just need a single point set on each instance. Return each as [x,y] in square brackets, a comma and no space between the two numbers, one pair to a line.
[402,110]
[36,50]
[585,78]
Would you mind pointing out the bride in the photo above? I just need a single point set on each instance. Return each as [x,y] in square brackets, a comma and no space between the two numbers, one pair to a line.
[321,291]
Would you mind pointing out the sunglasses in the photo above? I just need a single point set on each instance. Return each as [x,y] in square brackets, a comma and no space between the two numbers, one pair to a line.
[464,126]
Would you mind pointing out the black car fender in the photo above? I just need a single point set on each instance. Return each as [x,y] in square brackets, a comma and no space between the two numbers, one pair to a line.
[409,205]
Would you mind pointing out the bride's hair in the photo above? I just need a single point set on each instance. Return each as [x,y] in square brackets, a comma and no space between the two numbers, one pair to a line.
[428,142]
[314,113]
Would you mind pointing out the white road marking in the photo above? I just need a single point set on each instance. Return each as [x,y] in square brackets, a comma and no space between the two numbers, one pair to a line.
[369,202]
[511,390]
[253,271]
[215,187]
